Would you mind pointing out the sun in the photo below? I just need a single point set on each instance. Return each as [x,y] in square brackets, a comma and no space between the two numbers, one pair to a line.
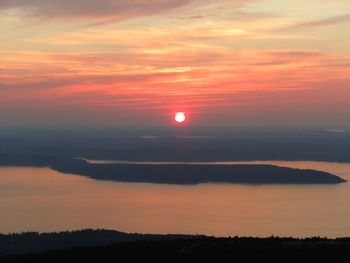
[180,117]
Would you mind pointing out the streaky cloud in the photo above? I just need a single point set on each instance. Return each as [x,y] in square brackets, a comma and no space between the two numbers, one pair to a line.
[109,10]
[318,23]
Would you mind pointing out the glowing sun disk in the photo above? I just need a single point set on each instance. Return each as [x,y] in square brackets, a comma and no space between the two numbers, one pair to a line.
[180,117]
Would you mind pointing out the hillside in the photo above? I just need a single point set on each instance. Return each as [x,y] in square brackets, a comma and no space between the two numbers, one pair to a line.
[202,249]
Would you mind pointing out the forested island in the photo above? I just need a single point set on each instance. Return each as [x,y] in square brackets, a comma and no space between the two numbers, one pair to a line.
[179,173]
[196,174]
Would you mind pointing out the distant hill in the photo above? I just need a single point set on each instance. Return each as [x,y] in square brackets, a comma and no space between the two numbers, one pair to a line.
[196,249]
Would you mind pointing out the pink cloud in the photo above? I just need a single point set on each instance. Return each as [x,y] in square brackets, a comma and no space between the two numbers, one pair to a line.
[145,82]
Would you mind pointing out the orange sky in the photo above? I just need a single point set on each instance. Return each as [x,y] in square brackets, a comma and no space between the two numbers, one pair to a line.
[134,62]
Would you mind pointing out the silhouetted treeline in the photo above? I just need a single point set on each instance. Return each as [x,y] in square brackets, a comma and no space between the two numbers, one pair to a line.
[27,242]
[216,250]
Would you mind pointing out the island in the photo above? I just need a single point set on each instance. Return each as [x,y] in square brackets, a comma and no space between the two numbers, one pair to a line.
[182,174]
[186,174]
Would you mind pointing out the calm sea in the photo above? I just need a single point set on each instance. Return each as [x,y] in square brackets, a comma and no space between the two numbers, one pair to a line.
[40,199]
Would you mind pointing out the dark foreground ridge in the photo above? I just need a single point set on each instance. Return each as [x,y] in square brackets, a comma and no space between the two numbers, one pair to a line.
[32,242]
[180,173]
[195,249]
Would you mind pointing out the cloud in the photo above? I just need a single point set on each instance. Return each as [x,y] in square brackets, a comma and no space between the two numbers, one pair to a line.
[319,23]
[106,11]
[103,85]
[91,9]
[192,17]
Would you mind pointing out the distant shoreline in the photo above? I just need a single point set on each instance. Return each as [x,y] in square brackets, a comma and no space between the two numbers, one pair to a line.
[93,161]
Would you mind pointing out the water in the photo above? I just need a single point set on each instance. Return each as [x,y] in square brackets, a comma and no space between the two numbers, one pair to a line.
[40,199]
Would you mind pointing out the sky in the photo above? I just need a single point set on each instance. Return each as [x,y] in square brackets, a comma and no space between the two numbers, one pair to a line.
[137,62]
